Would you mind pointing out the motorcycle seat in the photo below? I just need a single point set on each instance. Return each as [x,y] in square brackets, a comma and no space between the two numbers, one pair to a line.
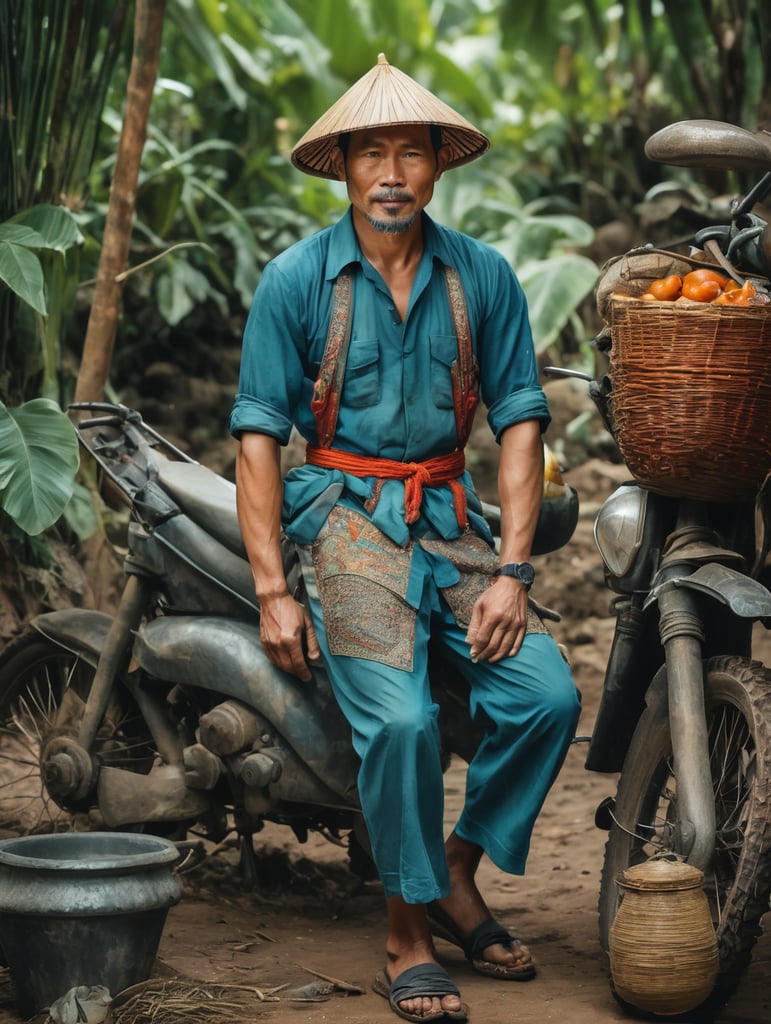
[207,498]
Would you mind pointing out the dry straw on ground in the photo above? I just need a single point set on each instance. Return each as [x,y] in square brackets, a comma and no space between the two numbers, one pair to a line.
[180,1001]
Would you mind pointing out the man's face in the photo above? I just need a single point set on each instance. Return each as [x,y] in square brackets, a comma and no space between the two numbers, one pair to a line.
[390,173]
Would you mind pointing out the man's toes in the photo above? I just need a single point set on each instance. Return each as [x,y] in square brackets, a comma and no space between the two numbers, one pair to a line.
[422,1006]
[521,954]
[515,955]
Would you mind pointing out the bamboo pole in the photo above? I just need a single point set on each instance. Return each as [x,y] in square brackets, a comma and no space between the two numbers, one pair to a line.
[103,319]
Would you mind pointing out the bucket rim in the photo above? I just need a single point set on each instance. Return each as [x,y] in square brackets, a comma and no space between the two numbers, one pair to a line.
[127,850]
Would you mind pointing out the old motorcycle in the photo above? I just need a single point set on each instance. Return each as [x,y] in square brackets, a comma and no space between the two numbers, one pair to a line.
[685,713]
[168,716]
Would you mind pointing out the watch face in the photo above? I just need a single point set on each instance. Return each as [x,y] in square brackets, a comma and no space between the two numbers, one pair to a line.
[526,573]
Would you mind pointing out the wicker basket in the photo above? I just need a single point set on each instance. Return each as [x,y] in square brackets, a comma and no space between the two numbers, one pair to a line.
[691,397]
[663,949]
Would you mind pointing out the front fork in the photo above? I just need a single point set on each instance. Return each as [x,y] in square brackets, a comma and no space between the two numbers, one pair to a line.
[682,637]
[67,767]
[716,573]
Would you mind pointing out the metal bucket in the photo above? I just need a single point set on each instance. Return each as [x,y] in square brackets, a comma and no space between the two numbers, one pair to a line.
[82,908]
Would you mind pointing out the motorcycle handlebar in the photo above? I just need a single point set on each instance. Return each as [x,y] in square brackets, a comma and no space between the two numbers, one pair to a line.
[130,422]
[561,371]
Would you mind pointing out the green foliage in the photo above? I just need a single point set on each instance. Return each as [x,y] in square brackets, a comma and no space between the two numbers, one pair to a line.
[20,269]
[35,280]
[215,170]
[38,461]
[596,77]
[57,58]
[555,288]
[40,227]
[79,513]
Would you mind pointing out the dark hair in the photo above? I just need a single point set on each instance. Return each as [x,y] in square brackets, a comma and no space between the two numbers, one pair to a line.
[435,133]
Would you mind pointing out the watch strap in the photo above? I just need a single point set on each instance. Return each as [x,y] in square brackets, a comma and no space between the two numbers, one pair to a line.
[513,569]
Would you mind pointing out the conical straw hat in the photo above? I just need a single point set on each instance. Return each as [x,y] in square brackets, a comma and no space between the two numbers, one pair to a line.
[385,96]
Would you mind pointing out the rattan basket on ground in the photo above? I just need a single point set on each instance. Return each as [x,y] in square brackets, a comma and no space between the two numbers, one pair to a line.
[663,949]
[691,397]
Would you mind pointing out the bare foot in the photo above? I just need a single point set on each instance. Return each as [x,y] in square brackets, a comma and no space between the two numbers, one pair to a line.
[467,908]
[410,945]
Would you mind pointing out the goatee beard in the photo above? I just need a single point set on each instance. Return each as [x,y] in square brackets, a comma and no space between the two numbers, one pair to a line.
[392,225]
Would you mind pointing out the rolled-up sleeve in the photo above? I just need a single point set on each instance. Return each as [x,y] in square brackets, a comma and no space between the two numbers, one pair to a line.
[251,414]
[271,376]
[525,404]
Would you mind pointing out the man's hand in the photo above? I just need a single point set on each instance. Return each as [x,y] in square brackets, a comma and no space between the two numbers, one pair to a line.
[288,637]
[498,621]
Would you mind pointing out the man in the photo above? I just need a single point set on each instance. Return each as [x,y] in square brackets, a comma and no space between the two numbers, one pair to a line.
[373,339]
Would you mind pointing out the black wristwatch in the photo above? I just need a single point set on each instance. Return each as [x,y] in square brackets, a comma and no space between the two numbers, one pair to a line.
[522,571]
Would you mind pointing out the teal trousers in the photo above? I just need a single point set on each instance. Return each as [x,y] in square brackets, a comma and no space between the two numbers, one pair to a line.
[528,707]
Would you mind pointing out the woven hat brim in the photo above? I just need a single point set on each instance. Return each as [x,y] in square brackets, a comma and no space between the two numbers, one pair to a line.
[385,97]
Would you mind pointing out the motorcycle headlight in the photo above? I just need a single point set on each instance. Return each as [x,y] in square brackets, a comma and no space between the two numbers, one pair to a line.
[618,528]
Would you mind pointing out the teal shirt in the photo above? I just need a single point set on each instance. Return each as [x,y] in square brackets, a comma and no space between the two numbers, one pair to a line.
[396,399]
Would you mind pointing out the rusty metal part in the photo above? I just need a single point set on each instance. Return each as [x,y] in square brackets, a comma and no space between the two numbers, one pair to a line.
[66,768]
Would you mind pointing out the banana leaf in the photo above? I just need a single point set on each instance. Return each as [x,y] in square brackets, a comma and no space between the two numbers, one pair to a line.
[38,462]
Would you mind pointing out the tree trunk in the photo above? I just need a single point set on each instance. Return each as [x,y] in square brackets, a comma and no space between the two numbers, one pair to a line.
[103,319]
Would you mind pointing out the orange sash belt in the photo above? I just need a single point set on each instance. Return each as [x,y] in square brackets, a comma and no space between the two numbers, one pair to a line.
[442,469]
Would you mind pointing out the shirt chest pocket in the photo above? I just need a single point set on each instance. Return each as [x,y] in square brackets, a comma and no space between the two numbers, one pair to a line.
[362,374]
[444,353]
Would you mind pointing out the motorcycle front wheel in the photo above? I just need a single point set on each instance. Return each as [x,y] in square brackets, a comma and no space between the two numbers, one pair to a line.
[738,881]
[34,674]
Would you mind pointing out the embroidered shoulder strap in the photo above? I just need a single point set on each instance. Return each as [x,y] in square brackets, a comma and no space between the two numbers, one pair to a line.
[325,403]
[465,372]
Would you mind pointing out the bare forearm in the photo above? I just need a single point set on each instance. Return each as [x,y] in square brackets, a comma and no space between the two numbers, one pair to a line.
[259,493]
[285,625]
[499,618]
[520,486]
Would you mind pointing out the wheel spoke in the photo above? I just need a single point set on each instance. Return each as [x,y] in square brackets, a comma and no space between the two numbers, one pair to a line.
[733,767]
[29,701]
[733,759]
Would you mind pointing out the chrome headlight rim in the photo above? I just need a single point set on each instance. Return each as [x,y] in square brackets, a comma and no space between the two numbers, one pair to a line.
[619,527]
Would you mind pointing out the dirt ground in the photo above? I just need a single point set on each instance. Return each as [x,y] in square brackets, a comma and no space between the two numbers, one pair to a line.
[277,947]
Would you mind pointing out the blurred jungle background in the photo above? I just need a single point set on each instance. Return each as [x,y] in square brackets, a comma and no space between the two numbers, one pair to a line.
[145,183]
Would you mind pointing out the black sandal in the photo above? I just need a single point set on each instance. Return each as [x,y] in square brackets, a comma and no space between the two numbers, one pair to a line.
[488,933]
[424,980]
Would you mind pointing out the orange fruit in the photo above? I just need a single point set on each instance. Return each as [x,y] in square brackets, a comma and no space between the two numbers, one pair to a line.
[705,274]
[703,289]
[666,288]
